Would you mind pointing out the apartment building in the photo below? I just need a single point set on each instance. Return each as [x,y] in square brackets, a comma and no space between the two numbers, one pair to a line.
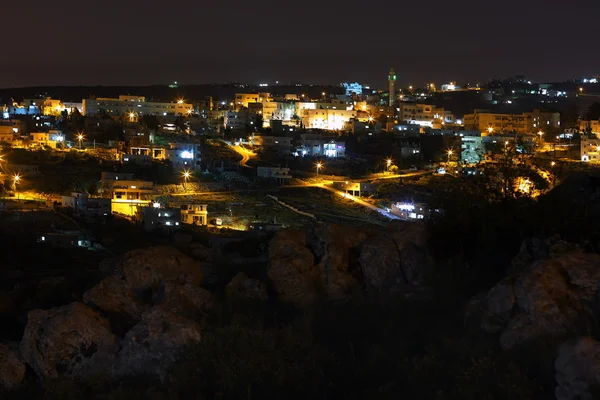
[526,123]
[135,105]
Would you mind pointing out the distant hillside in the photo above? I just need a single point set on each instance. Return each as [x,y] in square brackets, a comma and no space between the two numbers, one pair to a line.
[191,93]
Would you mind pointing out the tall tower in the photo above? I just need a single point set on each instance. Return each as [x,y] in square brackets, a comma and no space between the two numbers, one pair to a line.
[392,83]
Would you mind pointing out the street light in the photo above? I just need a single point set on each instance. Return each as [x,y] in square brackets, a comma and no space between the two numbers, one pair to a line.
[318,165]
[16,179]
[80,138]
[553,163]
[541,134]
[388,162]
[449,152]
[186,176]
[490,129]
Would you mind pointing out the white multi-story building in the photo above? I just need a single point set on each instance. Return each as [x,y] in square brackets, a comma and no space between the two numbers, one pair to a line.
[590,149]
[194,214]
[185,156]
[134,105]
[328,119]
[280,175]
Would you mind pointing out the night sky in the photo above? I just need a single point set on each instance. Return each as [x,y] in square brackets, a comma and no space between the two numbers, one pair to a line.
[153,42]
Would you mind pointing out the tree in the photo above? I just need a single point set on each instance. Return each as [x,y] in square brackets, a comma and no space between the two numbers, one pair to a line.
[593,113]
[150,121]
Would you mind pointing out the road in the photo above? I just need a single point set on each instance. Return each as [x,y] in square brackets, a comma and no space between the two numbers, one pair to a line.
[245,153]
[359,201]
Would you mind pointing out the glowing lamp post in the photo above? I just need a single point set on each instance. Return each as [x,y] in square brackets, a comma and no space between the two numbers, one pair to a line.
[186,176]
[16,180]
[389,163]
[318,165]
[80,138]
[541,135]
[449,152]
[490,130]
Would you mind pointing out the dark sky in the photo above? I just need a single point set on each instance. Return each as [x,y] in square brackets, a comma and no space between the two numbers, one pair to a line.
[141,42]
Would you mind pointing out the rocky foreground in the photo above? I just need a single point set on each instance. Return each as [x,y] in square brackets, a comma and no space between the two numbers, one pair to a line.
[153,302]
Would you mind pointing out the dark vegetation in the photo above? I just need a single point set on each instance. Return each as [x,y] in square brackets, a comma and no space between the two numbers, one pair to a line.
[359,350]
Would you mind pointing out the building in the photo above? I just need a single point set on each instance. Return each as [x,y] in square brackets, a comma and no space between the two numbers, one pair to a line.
[355,89]
[194,214]
[422,114]
[328,119]
[155,218]
[279,175]
[360,189]
[409,210]
[128,195]
[9,129]
[86,207]
[539,120]
[315,145]
[590,149]
[589,127]
[134,105]
[334,149]
[472,149]
[185,156]
[526,123]
[243,99]
[280,144]
[392,87]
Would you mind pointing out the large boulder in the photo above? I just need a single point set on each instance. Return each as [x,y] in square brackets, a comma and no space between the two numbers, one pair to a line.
[146,268]
[335,242]
[396,258]
[184,299]
[499,304]
[71,340]
[12,369]
[578,370]
[138,277]
[242,287]
[114,296]
[290,263]
[552,298]
[152,346]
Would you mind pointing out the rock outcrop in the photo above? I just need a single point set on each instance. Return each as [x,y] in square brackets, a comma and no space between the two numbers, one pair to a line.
[396,258]
[578,370]
[552,298]
[116,297]
[336,262]
[535,249]
[183,299]
[243,288]
[138,278]
[12,369]
[146,268]
[71,340]
[153,345]
[290,263]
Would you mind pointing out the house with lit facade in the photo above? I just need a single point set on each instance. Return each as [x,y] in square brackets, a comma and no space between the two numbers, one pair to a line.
[194,214]
[590,149]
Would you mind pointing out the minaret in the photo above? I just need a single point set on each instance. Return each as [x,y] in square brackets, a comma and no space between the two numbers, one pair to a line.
[392,82]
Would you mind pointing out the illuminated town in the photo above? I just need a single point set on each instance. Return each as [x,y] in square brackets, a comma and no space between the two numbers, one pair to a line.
[273,194]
